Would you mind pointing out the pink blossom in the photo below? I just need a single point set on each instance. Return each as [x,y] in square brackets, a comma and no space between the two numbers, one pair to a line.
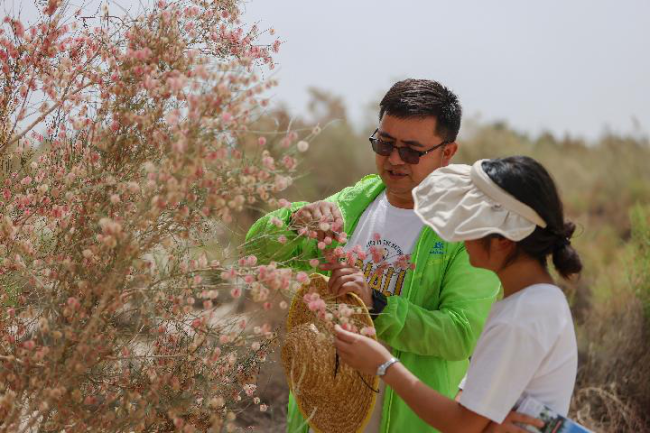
[377,254]
[282,239]
[281,183]
[261,141]
[315,305]
[289,162]
[368,331]
[302,277]
[249,389]
[403,261]
[235,293]
[229,274]
[74,303]
[314,263]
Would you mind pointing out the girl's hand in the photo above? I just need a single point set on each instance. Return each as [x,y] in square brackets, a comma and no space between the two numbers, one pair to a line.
[360,352]
[508,425]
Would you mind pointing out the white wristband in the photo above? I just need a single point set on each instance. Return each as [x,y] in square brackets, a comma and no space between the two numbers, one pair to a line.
[381,370]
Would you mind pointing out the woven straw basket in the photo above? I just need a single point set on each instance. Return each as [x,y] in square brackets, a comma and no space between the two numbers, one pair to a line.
[332,396]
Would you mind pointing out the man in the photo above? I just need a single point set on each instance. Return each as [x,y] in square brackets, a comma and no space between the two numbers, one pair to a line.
[430,317]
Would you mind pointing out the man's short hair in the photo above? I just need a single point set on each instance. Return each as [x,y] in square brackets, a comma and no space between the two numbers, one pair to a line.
[424,98]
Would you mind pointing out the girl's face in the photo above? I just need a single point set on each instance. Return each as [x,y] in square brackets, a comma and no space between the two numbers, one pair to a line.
[490,254]
[479,256]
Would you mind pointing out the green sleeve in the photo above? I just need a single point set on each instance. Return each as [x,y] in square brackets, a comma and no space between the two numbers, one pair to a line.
[450,331]
[262,240]
[296,422]
[262,237]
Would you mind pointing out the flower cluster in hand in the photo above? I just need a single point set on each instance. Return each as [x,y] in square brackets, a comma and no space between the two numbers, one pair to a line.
[127,148]
[340,313]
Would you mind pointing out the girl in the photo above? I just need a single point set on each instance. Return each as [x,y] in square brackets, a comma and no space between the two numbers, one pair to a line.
[509,214]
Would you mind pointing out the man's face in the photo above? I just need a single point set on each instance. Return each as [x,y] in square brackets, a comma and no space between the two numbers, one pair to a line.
[419,134]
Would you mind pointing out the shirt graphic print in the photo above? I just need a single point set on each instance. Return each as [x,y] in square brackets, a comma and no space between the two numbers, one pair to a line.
[385,236]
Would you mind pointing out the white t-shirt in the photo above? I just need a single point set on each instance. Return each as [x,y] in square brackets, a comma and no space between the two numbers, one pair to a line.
[390,232]
[528,346]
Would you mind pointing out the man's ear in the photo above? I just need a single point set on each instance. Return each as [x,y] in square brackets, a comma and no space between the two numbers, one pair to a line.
[448,152]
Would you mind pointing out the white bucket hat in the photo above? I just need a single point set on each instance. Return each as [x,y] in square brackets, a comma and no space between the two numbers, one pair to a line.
[460,202]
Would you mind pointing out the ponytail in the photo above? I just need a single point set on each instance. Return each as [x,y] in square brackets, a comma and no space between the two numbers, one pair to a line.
[565,258]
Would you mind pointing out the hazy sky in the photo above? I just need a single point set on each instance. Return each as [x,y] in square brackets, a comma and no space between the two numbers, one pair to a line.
[577,66]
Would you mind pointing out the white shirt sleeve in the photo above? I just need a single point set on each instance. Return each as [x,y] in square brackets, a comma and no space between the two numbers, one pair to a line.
[504,362]
[461,385]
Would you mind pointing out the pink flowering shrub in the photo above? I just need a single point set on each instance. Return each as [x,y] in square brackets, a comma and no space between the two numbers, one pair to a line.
[126,149]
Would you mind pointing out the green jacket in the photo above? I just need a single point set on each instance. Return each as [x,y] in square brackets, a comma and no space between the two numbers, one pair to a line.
[432,326]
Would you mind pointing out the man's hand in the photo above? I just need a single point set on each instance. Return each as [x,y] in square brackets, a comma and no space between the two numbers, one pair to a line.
[360,352]
[508,424]
[346,279]
[318,215]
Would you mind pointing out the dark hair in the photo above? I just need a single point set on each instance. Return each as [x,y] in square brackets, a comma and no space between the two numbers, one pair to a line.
[529,182]
[424,98]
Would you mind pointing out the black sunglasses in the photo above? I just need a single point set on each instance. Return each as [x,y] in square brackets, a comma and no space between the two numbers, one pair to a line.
[407,154]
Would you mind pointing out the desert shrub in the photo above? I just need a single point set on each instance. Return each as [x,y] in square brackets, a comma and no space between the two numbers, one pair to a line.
[127,157]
